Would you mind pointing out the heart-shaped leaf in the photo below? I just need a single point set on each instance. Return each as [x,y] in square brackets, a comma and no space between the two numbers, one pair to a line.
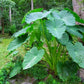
[56,27]
[32,57]
[35,16]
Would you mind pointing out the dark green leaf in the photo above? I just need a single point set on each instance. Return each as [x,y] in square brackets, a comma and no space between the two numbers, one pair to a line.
[66,70]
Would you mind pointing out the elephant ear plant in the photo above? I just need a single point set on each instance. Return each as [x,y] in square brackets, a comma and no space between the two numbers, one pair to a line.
[51,33]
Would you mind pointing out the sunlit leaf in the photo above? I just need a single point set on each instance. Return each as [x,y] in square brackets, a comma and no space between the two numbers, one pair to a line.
[31,11]
[35,16]
[32,57]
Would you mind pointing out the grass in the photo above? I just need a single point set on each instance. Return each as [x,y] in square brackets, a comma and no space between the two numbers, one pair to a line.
[3,51]
[4,42]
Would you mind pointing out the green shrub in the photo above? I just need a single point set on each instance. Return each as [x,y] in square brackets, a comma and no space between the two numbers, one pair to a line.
[12,29]
[4,73]
[38,72]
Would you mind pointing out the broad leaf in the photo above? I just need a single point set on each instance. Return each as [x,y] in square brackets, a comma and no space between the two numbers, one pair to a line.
[67,17]
[56,15]
[64,40]
[53,15]
[21,32]
[35,16]
[76,52]
[31,11]
[77,17]
[75,31]
[15,70]
[32,57]
[17,42]
[56,27]
[81,28]
[66,70]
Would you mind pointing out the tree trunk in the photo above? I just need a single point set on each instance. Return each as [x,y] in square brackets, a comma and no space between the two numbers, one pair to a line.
[2,22]
[10,14]
[0,18]
[2,26]
[32,5]
[78,7]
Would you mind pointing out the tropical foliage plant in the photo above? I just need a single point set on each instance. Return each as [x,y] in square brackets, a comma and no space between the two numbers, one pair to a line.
[49,35]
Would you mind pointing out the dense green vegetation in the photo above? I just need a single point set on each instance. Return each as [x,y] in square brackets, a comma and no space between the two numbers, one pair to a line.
[41,45]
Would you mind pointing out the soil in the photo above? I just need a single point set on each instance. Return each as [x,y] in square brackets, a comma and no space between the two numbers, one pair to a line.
[21,80]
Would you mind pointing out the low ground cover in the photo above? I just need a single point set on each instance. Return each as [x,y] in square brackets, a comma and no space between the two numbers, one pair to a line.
[3,51]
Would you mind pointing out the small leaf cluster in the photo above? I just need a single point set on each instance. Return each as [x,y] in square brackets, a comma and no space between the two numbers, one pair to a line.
[4,73]
[38,72]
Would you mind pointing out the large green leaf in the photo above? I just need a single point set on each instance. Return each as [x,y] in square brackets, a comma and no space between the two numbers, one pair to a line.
[15,71]
[75,31]
[66,70]
[77,17]
[64,40]
[17,42]
[32,57]
[67,17]
[76,52]
[21,32]
[35,16]
[56,27]
[31,11]
[55,14]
